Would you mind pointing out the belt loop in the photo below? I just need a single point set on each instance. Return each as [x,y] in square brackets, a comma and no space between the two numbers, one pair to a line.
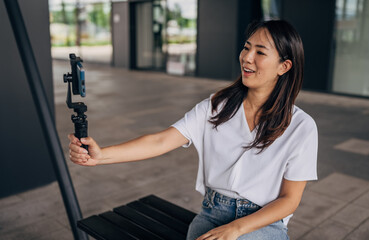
[212,197]
[208,194]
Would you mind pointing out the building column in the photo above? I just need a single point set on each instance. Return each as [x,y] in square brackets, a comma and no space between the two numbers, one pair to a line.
[220,36]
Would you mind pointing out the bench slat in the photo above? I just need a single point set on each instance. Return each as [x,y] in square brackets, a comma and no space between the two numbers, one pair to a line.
[169,208]
[101,229]
[149,223]
[147,218]
[128,226]
[159,216]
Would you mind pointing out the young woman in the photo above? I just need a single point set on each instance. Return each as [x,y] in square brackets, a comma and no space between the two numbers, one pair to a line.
[256,148]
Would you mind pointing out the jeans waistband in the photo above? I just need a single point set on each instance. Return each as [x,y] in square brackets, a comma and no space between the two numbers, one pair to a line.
[214,196]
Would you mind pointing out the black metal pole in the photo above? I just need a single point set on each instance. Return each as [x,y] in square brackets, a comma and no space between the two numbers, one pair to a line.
[45,116]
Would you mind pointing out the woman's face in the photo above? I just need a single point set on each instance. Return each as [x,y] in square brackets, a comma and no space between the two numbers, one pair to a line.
[260,62]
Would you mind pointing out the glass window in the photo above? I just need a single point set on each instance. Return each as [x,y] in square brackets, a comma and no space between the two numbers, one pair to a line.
[351,61]
[81,27]
[144,35]
[149,34]
[181,22]
[271,9]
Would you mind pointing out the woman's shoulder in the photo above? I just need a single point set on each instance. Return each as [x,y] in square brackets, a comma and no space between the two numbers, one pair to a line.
[219,107]
[206,102]
[302,119]
[203,106]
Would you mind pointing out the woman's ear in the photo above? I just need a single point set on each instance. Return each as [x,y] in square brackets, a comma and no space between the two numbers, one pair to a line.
[285,67]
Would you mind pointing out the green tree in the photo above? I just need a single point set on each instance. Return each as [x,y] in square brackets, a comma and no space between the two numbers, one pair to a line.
[98,17]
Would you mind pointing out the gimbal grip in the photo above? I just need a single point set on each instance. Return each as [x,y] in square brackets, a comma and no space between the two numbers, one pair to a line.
[80,131]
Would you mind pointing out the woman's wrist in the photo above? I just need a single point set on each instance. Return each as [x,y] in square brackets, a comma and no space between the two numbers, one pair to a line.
[241,226]
[102,157]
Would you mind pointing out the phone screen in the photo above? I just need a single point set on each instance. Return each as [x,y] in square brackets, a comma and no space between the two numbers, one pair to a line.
[81,80]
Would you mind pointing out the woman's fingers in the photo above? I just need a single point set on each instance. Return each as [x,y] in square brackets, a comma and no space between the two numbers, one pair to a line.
[78,158]
[74,140]
[81,156]
[78,155]
[73,147]
[89,141]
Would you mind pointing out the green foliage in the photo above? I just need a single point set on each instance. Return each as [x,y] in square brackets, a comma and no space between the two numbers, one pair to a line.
[176,14]
[80,33]
[91,43]
[98,17]
[63,16]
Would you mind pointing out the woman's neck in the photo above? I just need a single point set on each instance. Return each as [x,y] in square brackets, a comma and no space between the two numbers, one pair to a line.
[254,100]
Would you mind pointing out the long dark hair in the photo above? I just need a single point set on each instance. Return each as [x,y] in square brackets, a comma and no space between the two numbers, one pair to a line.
[276,112]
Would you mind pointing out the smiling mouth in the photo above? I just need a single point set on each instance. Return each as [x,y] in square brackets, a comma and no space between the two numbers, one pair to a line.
[248,70]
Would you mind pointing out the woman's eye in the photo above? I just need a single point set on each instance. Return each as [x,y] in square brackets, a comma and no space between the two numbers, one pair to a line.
[245,48]
[261,53]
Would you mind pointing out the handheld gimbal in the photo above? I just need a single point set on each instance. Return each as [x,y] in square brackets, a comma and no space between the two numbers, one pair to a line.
[77,78]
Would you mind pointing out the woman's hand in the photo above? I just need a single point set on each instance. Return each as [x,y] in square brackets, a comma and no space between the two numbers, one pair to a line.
[224,232]
[79,155]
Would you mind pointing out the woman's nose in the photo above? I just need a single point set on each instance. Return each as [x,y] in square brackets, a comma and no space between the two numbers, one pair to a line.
[248,57]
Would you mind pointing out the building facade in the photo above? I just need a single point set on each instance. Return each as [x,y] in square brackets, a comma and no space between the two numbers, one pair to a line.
[335,34]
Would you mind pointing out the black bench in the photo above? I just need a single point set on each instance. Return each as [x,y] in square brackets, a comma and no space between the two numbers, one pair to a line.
[149,218]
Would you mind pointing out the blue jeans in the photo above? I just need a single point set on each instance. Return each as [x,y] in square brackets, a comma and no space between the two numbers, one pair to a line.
[218,210]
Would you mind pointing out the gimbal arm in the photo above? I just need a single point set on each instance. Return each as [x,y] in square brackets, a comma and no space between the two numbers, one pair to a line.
[79,120]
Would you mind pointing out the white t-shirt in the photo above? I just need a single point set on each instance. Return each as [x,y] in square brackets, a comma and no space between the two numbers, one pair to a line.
[225,165]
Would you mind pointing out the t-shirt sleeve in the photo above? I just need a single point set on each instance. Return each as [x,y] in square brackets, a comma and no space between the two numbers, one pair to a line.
[192,125]
[302,163]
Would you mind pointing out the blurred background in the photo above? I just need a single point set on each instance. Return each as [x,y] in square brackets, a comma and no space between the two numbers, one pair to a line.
[147,63]
[164,35]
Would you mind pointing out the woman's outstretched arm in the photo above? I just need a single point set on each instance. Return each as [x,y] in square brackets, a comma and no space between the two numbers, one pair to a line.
[144,147]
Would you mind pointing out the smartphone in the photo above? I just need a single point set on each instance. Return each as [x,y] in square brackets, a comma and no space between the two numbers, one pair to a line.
[81,80]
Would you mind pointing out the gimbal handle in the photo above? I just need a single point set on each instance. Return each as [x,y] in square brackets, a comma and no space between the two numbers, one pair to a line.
[79,120]
[80,127]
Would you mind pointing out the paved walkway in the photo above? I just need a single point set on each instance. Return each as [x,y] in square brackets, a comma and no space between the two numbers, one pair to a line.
[125,104]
